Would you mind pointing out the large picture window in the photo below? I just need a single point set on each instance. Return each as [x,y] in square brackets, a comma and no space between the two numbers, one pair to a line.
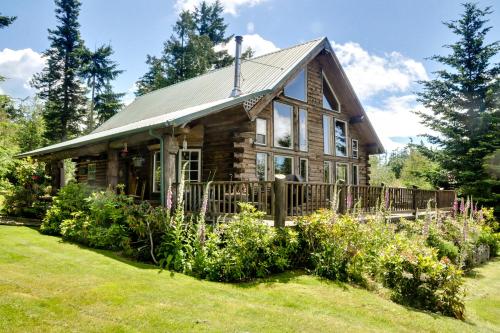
[355,174]
[330,101]
[283,129]
[297,87]
[327,172]
[261,131]
[340,138]
[156,172]
[261,166]
[304,169]
[341,173]
[192,157]
[283,165]
[327,134]
[303,139]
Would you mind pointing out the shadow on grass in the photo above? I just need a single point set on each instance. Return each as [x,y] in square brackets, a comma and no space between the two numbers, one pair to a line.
[474,274]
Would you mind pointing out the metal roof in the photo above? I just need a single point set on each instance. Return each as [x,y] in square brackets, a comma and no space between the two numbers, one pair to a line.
[196,97]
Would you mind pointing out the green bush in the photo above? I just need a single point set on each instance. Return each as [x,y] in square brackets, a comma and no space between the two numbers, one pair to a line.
[445,248]
[419,279]
[28,183]
[342,248]
[70,199]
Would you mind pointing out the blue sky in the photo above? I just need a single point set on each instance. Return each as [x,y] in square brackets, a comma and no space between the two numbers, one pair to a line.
[382,44]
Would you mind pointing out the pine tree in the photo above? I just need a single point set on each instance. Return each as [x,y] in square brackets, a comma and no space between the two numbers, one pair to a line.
[190,50]
[99,70]
[463,104]
[59,84]
[5,21]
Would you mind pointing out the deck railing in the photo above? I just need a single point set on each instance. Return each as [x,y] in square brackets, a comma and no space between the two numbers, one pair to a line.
[285,199]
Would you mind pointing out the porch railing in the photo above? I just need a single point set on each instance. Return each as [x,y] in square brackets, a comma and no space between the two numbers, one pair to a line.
[285,199]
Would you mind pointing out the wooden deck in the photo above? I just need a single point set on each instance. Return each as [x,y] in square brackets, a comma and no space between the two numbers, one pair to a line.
[299,199]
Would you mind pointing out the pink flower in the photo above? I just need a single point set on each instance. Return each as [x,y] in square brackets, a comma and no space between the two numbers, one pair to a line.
[169,198]
[386,199]
[462,206]
[349,200]
[455,206]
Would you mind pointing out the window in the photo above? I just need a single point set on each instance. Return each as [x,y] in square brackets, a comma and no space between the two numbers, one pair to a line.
[330,101]
[327,172]
[261,132]
[297,87]
[156,172]
[340,138]
[327,134]
[354,148]
[304,169]
[355,174]
[261,166]
[303,130]
[283,165]
[192,173]
[91,171]
[283,130]
[341,173]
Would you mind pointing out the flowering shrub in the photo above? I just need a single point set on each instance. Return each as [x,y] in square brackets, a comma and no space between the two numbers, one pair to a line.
[70,199]
[28,184]
[417,278]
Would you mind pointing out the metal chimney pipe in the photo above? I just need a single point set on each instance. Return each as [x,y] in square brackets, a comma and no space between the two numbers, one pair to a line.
[237,67]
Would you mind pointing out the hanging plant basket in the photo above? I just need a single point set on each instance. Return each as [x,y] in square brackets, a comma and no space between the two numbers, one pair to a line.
[138,161]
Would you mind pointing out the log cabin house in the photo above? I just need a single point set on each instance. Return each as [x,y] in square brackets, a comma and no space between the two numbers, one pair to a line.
[289,112]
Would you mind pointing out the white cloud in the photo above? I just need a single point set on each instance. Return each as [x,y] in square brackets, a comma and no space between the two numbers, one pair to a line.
[18,66]
[258,44]
[395,119]
[250,27]
[372,74]
[230,6]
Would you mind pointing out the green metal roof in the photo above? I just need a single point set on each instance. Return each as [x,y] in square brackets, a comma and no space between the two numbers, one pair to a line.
[205,94]
[197,97]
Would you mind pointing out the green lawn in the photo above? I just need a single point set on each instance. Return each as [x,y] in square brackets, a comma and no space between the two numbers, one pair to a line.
[48,285]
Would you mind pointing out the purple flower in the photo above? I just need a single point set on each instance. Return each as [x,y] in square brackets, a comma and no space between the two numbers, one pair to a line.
[455,206]
[169,198]
[386,199]
[349,200]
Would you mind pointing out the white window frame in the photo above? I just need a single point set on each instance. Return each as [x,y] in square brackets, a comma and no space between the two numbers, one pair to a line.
[307,168]
[355,150]
[291,126]
[305,86]
[328,164]
[335,120]
[330,135]
[333,92]
[180,162]
[355,166]
[306,129]
[284,156]
[347,171]
[156,153]
[257,133]
[265,165]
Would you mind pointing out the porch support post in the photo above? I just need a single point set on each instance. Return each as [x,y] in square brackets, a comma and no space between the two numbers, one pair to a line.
[112,168]
[56,175]
[170,150]
[279,201]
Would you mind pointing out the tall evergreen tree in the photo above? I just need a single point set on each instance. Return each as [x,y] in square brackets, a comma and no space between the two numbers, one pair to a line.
[59,84]
[190,50]
[463,100]
[99,70]
[5,21]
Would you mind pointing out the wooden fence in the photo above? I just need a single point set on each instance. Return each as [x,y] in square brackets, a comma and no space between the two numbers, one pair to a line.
[281,199]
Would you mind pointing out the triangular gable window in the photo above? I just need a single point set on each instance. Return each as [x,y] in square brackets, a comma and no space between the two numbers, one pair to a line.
[297,87]
[330,101]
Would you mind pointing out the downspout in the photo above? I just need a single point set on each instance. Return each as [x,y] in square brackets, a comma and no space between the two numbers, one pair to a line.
[162,167]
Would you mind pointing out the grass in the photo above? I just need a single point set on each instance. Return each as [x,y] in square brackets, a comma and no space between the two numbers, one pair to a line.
[49,285]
